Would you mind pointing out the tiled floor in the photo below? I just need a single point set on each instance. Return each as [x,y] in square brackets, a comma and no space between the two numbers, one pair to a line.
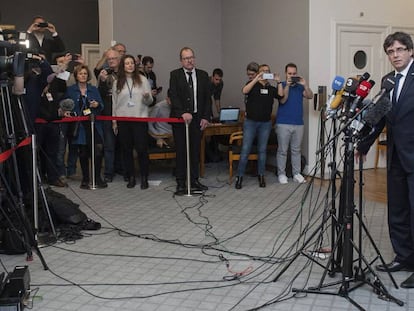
[219,251]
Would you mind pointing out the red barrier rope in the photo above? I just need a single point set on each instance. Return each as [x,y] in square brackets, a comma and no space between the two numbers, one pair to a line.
[110,118]
[6,154]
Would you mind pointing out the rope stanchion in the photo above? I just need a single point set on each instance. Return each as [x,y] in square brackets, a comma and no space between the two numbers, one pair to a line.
[92,118]
[187,145]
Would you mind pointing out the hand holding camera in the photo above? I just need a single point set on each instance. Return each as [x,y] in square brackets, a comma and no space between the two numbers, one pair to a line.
[295,79]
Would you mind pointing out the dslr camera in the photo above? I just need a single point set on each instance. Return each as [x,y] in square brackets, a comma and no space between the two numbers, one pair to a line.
[109,71]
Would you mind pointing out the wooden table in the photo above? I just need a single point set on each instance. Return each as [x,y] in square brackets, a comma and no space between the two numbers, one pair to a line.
[215,129]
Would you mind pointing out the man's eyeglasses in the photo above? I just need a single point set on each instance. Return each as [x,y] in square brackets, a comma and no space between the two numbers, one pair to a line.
[398,51]
[188,58]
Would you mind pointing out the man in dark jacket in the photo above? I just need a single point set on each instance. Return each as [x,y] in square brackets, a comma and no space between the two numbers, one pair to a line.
[400,154]
[190,100]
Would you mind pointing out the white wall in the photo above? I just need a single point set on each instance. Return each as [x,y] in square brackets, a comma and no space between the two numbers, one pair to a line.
[322,55]
[161,28]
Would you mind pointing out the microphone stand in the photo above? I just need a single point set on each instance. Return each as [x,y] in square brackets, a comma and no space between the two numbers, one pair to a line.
[346,234]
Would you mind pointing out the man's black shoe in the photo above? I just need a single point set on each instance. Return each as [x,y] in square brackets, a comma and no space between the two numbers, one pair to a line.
[101,184]
[393,266]
[408,283]
[108,179]
[181,190]
[196,185]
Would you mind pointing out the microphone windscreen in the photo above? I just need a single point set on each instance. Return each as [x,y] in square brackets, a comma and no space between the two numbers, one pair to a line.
[365,76]
[336,102]
[67,104]
[388,84]
[338,83]
[363,89]
[375,112]
[351,86]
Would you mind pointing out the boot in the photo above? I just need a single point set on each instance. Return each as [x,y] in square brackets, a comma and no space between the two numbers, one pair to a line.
[144,182]
[262,182]
[239,181]
[131,182]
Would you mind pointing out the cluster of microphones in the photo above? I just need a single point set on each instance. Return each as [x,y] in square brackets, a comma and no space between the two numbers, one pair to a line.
[348,102]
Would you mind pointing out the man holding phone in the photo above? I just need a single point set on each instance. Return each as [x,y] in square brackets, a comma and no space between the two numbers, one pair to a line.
[41,41]
[148,63]
[289,123]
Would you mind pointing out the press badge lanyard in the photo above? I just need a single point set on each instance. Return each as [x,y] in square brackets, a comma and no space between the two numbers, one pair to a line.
[130,102]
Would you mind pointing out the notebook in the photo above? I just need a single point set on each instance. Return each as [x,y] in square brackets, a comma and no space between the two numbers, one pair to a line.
[229,115]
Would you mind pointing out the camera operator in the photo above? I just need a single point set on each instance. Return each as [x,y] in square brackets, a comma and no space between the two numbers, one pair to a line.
[43,42]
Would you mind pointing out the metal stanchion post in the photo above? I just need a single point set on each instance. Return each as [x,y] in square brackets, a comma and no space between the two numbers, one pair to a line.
[92,118]
[35,196]
[38,185]
[187,143]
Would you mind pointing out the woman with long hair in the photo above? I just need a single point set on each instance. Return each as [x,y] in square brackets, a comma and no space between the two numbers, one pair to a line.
[131,96]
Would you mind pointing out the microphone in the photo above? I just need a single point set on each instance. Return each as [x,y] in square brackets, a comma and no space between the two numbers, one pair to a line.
[67,104]
[387,85]
[348,95]
[350,87]
[364,77]
[337,85]
[374,113]
[333,104]
[361,92]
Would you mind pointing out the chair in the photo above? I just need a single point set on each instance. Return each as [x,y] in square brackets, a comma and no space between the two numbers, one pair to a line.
[235,144]
[381,145]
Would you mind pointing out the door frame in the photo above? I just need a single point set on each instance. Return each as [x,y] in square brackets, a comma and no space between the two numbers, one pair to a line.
[382,30]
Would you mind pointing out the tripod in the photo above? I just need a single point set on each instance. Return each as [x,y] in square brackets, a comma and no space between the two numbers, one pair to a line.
[344,243]
[13,113]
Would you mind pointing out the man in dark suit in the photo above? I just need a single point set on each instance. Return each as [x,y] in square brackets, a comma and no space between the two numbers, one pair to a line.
[400,154]
[41,42]
[191,101]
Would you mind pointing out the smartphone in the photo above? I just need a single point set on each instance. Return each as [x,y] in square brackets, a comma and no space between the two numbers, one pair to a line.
[295,79]
[74,57]
[43,25]
[268,76]
[159,89]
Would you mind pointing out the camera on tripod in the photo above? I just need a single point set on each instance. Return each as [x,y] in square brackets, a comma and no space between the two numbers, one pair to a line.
[15,53]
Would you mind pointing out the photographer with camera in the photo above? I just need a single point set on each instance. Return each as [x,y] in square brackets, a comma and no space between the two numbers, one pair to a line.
[44,39]
[260,96]
[289,123]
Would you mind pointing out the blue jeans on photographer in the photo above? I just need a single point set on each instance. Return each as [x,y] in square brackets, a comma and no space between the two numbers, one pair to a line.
[251,130]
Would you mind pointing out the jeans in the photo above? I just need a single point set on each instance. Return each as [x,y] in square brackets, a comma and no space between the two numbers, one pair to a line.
[251,130]
[289,135]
